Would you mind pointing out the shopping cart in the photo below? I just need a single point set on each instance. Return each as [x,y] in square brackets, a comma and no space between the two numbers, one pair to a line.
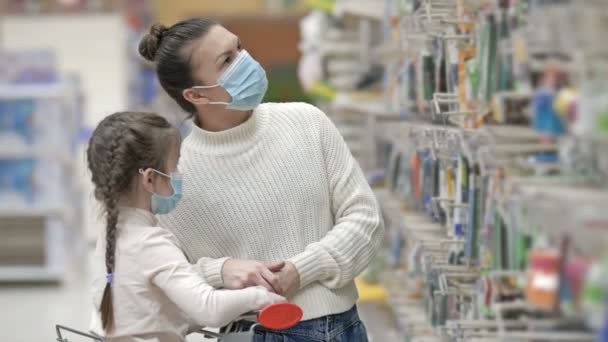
[276,317]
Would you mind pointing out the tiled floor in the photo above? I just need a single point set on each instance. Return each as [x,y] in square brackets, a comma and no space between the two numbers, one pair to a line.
[28,313]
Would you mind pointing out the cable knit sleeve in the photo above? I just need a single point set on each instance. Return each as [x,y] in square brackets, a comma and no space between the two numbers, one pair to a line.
[358,229]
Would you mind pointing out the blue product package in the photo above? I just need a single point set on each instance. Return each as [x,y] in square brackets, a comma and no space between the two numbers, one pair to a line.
[16,117]
[16,176]
[545,119]
[604,332]
[427,174]
[547,157]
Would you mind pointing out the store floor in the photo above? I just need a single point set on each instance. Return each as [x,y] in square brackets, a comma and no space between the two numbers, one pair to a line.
[28,313]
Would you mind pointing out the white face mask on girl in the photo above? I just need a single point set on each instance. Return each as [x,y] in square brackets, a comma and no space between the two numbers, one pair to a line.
[245,80]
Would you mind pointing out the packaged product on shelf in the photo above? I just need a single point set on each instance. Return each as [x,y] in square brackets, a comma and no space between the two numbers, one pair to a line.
[543,279]
[39,123]
[16,122]
[28,66]
[17,185]
[28,183]
[595,293]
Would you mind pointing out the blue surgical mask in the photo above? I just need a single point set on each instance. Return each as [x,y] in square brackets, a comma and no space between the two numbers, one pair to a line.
[245,80]
[162,205]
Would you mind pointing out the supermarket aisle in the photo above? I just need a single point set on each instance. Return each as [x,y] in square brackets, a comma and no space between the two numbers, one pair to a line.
[380,322]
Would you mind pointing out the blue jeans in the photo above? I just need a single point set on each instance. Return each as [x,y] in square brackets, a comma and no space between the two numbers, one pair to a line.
[344,327]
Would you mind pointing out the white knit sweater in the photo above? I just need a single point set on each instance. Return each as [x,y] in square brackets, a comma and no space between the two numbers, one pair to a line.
[281,186]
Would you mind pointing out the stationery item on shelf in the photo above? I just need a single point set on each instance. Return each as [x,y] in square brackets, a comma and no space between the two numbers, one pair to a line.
[450,186]
[566,103]
[603,336]
[428,72]
[468,77]
[545,119]
[416,180]
[472,231]
[434,190]
[393,169]
[505,54]
[443,194]
[483,298]
[462,189]
[451,62]
[564,289]
[487,57]
[592,117]
[498,236]
[440,81]
[510,108]
[595,293]
[396,247]
[574,272]
[521,64]
[403,179]
[542,290]
[427,181]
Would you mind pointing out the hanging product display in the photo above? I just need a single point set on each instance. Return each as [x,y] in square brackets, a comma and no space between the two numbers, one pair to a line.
[497,176]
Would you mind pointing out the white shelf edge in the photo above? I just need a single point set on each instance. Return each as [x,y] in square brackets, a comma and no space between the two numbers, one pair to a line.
[34,153]
[29,273]
[365,9]
[33,212]
[20,91]
[365,108]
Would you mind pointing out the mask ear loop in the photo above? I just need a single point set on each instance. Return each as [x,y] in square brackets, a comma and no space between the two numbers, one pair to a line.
[141,172]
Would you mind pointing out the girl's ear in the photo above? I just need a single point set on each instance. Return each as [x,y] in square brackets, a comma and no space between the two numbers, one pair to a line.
[146,179]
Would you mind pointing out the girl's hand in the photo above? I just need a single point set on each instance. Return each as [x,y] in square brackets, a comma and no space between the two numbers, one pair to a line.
[266,298]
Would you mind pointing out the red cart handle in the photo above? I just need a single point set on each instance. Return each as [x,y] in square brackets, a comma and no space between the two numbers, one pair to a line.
[280,316]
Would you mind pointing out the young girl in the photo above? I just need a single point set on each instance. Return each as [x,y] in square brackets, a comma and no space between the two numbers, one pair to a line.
[148,290]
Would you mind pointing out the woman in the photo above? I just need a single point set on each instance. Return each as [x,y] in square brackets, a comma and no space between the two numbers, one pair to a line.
[272,195]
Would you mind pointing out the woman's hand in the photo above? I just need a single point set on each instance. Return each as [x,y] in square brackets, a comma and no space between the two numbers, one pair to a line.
[288,280]
[239,274]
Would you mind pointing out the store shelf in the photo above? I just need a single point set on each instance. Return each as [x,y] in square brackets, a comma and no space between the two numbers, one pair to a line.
[22,152]
[414,223]
[364,107]
[492,166]
[34,212]
[28,91]
[360,8]
[29,274]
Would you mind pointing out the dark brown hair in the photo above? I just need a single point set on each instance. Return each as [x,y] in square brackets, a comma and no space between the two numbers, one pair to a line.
[122,144]
[170,48]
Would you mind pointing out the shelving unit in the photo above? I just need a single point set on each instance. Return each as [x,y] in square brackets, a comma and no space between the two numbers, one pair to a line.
[41,205]
[491,129]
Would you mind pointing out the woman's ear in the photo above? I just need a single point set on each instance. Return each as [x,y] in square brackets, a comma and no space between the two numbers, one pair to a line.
[195,97]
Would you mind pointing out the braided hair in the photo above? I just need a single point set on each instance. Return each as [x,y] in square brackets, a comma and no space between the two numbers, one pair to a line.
[122,144]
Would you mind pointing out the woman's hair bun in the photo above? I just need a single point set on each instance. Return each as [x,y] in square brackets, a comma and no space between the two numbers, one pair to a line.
[151,41]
